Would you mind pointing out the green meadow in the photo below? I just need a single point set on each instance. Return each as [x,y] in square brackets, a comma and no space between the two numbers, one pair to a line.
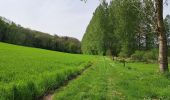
[108,80]
[85,50]
[27,73]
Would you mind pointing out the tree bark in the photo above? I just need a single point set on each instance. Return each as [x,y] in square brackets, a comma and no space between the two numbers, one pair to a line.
[163,48]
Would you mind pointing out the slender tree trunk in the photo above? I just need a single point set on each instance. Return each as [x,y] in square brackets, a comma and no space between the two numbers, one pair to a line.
[163,49]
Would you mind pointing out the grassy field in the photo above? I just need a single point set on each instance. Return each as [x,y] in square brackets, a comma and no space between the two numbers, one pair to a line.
[108,80]
[26,73]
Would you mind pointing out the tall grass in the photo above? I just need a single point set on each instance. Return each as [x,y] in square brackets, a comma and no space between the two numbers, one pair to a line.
[27,73]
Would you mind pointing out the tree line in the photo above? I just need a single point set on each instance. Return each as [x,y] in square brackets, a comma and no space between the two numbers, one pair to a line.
[123,27]
[16,34]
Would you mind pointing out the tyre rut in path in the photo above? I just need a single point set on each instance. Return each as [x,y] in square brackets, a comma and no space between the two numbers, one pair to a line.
[49,94]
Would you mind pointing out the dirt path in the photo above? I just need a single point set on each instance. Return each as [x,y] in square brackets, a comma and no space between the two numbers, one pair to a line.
[48,97]
[50,94]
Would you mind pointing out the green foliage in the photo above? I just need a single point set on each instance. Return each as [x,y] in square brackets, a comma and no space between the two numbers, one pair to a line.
[108,80]
[151,56]
[108,52]
[123,55]
[168,51]
[138,56]
[145,56]
[15,34]
[3,29]
[167,28]
[27,73]
[127,21]
[121,27]
[93,40]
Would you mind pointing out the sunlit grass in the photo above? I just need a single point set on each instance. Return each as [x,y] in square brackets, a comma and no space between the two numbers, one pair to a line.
[108,80]
[26,73]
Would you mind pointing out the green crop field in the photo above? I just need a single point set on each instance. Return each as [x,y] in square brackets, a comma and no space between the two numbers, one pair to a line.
[108,80]
[85,50]
[26,73]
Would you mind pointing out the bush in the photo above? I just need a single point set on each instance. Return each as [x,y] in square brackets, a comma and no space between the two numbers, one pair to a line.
[145,56]
[168,51]
[151,56]
[108,52]
[138,56]
[123,55]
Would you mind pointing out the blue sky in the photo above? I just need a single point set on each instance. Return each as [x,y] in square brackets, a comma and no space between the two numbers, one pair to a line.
[61,17]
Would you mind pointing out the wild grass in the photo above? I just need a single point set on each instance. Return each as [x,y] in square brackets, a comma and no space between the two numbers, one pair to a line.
[108,80]
[26,73]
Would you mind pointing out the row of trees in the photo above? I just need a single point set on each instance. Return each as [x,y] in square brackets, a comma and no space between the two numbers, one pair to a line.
[15,34]
[121,28]
[126,26]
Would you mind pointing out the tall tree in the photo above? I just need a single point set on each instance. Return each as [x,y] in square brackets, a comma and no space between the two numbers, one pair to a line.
[3,29]
[127,19]
[163,49]
[93,41]
[124,21]
[147,31]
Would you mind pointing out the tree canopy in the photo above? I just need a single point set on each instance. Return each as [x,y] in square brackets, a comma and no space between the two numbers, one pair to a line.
[120,28]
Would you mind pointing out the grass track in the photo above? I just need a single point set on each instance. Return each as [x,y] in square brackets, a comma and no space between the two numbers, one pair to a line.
[27,73]
[108,80]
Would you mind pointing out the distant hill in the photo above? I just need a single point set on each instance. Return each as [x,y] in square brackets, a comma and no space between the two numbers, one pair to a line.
[16,34]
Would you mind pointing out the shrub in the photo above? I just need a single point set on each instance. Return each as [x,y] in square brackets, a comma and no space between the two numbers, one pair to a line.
[151,56]
[145,56]
[108,52]
[168,51]
[138,56]
[123,55]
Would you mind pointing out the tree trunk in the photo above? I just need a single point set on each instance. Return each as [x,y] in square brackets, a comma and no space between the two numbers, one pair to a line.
[163,49]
